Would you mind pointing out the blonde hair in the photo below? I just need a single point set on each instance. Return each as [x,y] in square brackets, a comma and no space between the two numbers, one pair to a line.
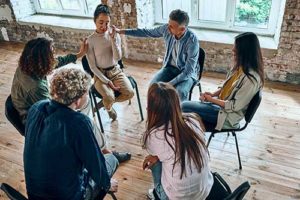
[68,85]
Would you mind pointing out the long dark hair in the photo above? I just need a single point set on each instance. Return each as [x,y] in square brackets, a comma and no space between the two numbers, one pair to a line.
[37,58]
[163,108]
[248,55]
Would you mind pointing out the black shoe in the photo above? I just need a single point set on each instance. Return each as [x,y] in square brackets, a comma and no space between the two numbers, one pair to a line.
[122,157]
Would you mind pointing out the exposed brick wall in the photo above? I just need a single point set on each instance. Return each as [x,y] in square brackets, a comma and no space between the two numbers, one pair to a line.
[285,66]
[123,12]
[63,37]
[280,65]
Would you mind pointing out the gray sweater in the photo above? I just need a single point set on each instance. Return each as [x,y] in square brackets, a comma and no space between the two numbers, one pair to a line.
[103,52]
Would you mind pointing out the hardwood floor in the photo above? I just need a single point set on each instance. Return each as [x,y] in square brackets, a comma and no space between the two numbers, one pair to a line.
[269,147]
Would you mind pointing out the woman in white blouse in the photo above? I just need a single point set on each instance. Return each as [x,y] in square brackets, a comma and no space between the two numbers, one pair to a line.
[175,141]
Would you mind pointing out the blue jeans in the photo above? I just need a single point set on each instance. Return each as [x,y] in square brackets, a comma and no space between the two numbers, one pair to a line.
[91,189]
[156,174]
[207,111]
[112,164]
[167,73]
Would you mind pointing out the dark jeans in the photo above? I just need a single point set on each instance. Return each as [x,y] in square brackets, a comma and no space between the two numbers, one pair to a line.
[207,111]
[169,72]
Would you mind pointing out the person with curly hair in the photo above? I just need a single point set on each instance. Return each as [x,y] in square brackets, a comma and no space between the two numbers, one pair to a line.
[30,84]
[36,62]
[61,155]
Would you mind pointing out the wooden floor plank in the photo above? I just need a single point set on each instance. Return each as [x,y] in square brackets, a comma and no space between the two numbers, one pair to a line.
[269,146]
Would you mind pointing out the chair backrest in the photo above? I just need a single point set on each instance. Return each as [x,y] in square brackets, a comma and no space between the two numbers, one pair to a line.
[120,62]
[13,116]
[11,192]
[240,192]
[253,105]
[201,60]
[220,188]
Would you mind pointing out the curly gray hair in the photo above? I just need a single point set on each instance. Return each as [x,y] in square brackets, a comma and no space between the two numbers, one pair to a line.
[68,85]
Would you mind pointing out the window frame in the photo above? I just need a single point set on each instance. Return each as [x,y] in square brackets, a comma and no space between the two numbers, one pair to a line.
[66,12]
[228,25]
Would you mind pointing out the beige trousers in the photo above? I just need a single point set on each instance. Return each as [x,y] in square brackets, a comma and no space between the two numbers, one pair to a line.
[119,79]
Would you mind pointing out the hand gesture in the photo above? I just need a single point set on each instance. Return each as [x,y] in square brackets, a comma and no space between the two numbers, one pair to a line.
[204,95]
[112,86]
[120,31]
[207,97]
[149,161]
[202,98]
[112,31]
[83,48]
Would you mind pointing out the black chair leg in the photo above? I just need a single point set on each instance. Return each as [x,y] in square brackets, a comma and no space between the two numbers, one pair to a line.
[138,99]
[190,94]
[92,103]
[200,89]
[113,196]
[97,112]
[140,105]
[209,139]
[237,149]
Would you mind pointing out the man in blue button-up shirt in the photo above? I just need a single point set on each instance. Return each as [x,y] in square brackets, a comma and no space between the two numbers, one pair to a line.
[180,66]
[60,143]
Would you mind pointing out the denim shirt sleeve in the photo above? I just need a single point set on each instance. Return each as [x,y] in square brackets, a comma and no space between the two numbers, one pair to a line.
[155,32]
[64,60]
[192,51]
[90,154]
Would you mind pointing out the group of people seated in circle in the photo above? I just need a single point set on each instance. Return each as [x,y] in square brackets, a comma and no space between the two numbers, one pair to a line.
[65,153]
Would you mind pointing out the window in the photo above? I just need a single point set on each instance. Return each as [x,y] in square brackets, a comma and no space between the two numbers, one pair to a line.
[259,16]
[83,8]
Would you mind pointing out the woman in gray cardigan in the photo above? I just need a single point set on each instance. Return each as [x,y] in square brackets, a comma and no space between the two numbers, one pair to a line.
[226,107]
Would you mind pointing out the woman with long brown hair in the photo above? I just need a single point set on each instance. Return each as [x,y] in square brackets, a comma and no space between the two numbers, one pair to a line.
[175,141]
[226,107]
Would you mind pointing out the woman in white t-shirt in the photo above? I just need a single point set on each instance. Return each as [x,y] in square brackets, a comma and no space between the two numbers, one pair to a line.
[175,141]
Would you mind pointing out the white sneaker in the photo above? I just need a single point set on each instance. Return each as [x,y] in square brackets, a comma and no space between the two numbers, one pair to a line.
[150,194]
[113,185]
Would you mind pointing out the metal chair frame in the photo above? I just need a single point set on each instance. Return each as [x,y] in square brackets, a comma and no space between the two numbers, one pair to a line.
[251,110]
